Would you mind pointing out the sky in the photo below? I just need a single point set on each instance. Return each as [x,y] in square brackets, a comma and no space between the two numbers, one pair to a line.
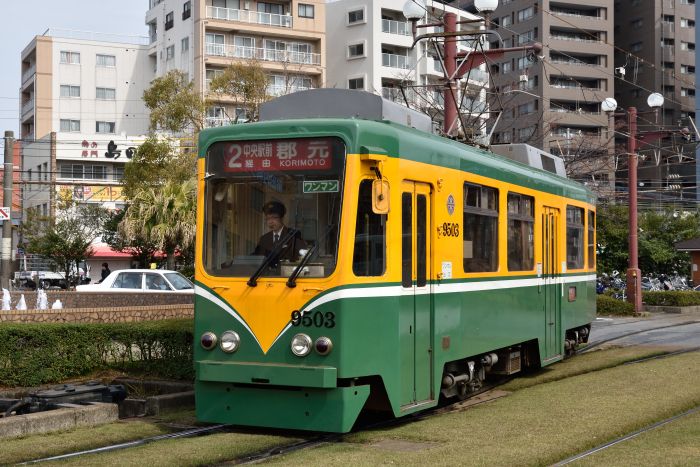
[25,20]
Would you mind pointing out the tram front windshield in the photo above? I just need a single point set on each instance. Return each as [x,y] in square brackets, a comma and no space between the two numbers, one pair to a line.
[270,204]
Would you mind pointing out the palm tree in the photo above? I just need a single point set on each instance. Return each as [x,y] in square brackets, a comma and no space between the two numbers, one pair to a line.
[165,215]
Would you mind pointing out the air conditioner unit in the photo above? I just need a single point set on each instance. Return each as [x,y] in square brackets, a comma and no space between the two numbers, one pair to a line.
[523,78]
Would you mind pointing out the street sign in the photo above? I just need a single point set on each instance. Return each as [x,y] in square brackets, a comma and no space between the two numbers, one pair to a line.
[20,251]
[4,213]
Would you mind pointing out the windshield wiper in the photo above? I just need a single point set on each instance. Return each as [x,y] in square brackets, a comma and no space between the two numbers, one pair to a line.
[291,282]
[290,235]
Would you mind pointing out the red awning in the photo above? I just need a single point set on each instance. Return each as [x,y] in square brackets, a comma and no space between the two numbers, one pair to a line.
[104,252]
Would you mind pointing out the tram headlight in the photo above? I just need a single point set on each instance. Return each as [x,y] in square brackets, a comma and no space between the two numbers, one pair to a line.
[208,340]
[230,341]
[301,345]
[323,346]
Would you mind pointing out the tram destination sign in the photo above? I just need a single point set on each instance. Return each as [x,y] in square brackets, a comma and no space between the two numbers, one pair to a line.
[282,155]
[321,186]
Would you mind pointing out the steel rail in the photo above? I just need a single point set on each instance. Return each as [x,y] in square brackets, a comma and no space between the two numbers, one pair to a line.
[599,343]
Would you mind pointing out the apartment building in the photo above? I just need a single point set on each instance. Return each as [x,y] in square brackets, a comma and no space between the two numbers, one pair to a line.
[83,83]
[661,32]
[203,37]
[554,102]
[370,49]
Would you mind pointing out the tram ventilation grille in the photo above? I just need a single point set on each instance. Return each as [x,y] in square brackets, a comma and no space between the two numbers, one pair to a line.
[508,362]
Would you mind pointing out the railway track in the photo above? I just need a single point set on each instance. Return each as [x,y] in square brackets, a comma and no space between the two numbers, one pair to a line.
[630,334]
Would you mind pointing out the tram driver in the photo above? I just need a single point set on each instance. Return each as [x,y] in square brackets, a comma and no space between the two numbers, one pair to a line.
[292,247]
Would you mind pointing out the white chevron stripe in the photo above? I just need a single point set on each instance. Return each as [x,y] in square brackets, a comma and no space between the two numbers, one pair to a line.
[213,298]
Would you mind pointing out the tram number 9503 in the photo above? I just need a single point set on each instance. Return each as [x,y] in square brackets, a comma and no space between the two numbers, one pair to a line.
[450,229]
[317,319]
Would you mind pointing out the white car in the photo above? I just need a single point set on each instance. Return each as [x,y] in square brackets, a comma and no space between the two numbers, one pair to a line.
[141,280]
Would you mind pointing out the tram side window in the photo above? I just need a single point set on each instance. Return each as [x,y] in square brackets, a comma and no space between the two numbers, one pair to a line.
[480,245]
[369,257]
[521,232]
[591,239]
[574,237]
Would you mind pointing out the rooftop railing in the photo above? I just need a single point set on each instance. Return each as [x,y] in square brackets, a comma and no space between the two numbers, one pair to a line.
[244,16]
[97,36]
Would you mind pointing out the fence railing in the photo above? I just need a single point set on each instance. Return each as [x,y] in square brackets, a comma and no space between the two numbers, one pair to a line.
[28,107]
[398,61]
[244,16]
[394,94]
[574,63]
[396,27]
[574,15]
[29,73]
[575,39]
[569,86]
[96,36]
[239,51]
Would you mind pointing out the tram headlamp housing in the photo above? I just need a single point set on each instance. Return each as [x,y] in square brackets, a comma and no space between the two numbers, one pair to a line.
[323,346]
[301,345]
[208,340]
[230,341]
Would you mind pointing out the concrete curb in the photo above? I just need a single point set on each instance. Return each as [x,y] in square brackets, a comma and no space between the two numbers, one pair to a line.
[153,405]
[60,419]
[672,309]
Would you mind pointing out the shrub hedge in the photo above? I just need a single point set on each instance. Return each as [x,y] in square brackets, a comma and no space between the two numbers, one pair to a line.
[608,306]
[671,298]
[32,354]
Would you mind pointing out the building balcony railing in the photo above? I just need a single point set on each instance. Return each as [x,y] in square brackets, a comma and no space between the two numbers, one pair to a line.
[153,38]
[169,24]
[575,63]
[212,122]
[244,16]
[574,15]
[186,14]
[28,107]
[394,95]
[573,111]
[96,36]
[574,38]
[29,73]
[28,137]
[396,27]
[154,3]
[398,61]
[239,51]
[278,90]
[570,86]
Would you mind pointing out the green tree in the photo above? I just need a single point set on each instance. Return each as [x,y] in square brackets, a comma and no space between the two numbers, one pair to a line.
[658,232]
[164,215]
[142,251]
[175,104]
[244,80]
[66,239]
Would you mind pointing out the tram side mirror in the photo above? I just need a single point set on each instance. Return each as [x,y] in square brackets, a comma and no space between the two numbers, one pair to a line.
[380,196]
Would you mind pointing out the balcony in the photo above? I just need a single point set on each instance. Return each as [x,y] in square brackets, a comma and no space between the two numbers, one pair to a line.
[572,111]
[394,95]
[28,107]
[186,14]
[153,38]
[154,3]
[574,63]
[574,15]
[282,56]
[478,75]
[573,86]
[396,27]
[563,37]
[243,16]
[169,24]
[213,122]
[29,73]
[96,36]
[278,90]
[398,61]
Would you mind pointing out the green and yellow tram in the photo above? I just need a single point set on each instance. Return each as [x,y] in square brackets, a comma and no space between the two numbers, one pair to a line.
[348,263]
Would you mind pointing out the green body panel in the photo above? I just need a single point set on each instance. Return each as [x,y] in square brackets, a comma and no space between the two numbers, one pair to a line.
[407,143]
[372,337]
[275,375]
[316,409]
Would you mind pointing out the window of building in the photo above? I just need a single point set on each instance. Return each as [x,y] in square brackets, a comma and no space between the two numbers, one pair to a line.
[687,2]
[591,239]
[505,21]
[186,10]
[668,19]
[505,67]
[521,232]
[185,44]
[526,109]
[687,92]
[507,43]
[106,93]
[687,23]
[272,8]
[574,237]
[525,38]
[356,50]
[506,136]
[70,57]
[524,15]
[687,45]
[70,91]
[688,69]
[169,52]
[636,2]
[356,83]
[480,233]
[70,125]
[306,11]
[525,134]
[524,62]
[169,20]
[106,60]
[637,46]
[104,127]
[356,16]
[637,23]
[369,256]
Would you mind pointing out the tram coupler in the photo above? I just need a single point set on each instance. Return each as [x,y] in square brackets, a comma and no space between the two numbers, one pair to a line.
[67,396]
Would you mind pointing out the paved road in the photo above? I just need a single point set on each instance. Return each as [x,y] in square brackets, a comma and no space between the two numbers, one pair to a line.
[679,332]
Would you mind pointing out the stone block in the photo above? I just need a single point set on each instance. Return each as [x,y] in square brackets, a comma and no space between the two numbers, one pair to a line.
[52,420]
[169,401]
[96,414]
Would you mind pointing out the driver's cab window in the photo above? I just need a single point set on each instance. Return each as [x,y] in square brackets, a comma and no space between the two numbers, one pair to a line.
[156,282]
[128,280]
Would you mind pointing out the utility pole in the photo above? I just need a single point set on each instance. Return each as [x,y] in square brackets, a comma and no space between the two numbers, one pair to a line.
[7,201]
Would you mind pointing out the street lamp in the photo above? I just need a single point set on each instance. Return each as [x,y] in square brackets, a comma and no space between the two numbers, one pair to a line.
[413,11]
[655,100]
[486,6]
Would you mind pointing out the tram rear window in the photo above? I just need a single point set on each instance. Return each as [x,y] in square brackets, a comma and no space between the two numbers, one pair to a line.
[480,217]
[271,202]
[574,237]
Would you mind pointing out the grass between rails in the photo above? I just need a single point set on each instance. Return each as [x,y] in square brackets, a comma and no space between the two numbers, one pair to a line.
[537,426]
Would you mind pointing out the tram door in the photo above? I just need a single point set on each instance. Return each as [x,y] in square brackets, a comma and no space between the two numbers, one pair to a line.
[416,299]
[551,271]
